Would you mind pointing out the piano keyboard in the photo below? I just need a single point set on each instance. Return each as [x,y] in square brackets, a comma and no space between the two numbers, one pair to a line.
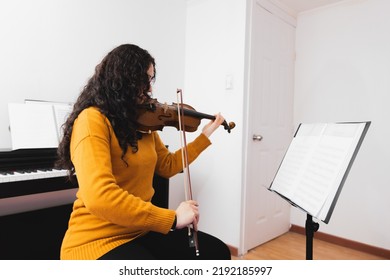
[30,181]
[15,176]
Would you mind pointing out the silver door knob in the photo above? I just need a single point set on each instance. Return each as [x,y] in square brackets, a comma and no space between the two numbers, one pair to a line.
[256,137]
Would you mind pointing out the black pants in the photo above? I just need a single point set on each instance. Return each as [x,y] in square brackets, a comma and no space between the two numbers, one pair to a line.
[171,246]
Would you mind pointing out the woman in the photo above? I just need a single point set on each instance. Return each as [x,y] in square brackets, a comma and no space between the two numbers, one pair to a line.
[113,217]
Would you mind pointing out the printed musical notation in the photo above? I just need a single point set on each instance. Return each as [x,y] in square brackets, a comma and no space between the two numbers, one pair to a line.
[316,165]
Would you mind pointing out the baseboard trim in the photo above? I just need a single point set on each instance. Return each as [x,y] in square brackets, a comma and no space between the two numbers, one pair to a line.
[345,242]
[233,250]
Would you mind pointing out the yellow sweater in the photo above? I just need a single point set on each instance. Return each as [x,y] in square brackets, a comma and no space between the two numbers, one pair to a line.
[113,201]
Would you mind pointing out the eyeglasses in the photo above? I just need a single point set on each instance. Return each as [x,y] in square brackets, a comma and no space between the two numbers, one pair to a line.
[152,80]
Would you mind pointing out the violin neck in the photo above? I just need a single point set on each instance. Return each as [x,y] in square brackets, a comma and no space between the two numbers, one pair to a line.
[195,114]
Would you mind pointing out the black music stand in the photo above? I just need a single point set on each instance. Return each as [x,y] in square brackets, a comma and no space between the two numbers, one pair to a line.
[311,227]
[315,168]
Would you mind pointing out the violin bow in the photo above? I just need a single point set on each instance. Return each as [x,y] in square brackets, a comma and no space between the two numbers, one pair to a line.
[192,231]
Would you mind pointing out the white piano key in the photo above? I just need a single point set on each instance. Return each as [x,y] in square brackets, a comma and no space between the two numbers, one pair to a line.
[39,174]
[4,178]
[15,177]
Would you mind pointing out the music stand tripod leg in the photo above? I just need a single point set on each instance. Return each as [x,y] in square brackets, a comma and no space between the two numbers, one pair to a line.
[311,228]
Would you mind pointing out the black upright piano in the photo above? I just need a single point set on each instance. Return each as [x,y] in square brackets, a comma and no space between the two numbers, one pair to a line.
[36,201]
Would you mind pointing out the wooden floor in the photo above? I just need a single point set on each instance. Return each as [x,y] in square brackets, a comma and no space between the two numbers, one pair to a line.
[292,246]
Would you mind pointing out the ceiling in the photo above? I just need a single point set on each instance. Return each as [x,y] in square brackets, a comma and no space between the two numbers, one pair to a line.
[305,5]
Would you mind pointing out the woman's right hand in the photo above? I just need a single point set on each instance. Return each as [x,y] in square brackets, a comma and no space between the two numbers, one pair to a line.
[187,213]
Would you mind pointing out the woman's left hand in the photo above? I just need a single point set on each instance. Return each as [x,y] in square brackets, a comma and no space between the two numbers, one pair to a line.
[212,126]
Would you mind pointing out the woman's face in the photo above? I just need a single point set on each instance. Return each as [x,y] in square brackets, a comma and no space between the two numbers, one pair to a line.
[142,98]
[150,73]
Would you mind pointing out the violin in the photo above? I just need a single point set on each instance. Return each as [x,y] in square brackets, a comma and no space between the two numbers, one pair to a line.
[154,116]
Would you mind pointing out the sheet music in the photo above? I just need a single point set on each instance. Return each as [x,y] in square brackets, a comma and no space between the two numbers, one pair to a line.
[61,113]
[32,126]
[37,124]
[315,164]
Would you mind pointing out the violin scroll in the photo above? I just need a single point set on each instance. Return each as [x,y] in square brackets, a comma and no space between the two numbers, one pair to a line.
[229,126]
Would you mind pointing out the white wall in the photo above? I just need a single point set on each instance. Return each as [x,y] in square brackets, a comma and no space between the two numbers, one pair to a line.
[215,48]
[342,74]
[50,48]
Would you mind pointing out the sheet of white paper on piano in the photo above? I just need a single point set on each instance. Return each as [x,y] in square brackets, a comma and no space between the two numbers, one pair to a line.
[36,124]
[61,111]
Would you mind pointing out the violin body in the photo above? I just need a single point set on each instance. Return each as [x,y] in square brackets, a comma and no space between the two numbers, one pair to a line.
[154,116]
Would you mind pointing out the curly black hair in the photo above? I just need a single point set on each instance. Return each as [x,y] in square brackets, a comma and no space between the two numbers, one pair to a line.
[119,83]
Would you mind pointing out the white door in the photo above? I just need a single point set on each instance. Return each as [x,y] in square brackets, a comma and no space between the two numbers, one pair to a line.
[270,125]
